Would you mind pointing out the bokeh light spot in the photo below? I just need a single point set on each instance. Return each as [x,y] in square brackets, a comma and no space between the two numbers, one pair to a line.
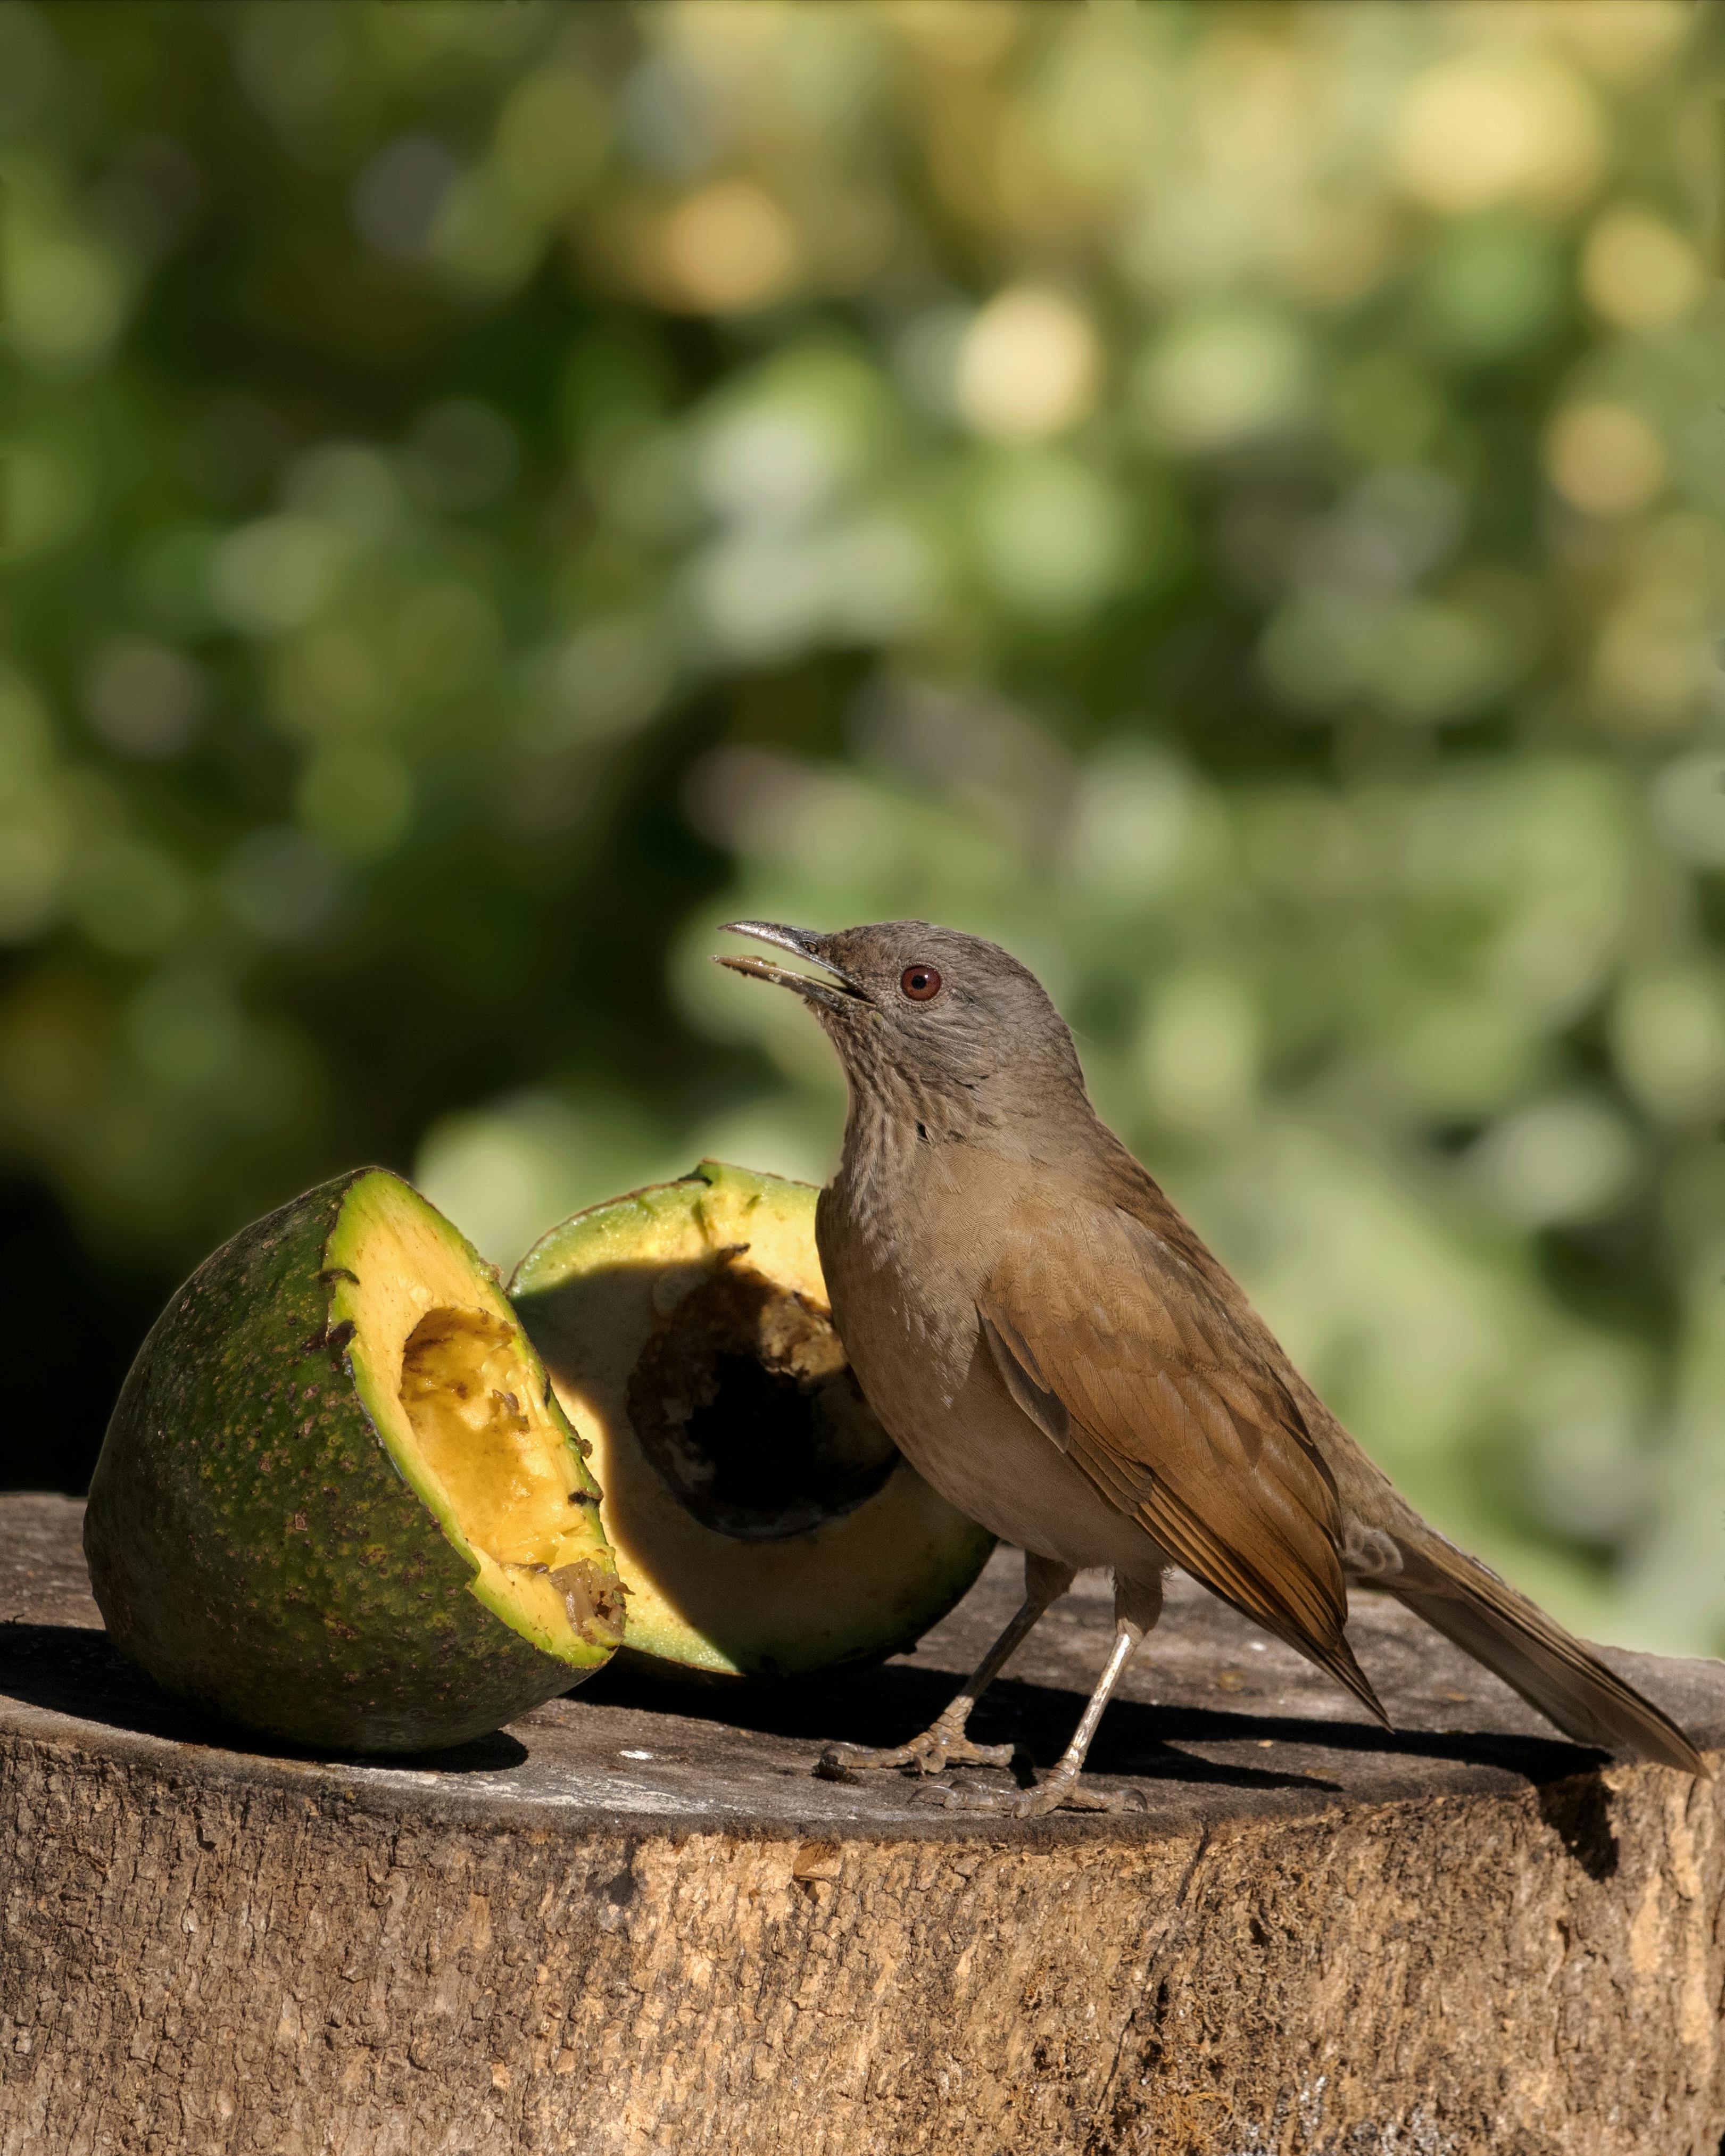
[347,484]
[605,682]
[1052,536]
[142,698]
[1028,366]
[270,576]
[1220,375]
[66,293]
[551,140]
[507,1172]
[1668,1038]
[1198,1050]
[1638,273]
[1604,459]
[1557,1161]
[729,249]
[397,196]
[1493,284]
[773,463]
[1687,799]
[281,883]
[1483,127]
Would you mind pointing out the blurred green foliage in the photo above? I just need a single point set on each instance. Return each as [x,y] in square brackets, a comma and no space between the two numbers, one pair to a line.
[1225,499]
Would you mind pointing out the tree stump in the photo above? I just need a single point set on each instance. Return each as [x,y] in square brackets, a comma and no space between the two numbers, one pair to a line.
[635,1923]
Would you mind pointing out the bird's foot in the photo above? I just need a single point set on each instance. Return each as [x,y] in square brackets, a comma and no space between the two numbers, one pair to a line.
[930,1753]
[1060,1791]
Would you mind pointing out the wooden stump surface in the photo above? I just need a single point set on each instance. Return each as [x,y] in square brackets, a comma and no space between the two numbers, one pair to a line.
[634,1922]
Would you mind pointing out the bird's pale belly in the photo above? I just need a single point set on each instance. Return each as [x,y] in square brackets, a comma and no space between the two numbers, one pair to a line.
[955,1422]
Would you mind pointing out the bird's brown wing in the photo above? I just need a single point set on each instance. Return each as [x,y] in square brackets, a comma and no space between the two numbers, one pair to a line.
[1126,1358]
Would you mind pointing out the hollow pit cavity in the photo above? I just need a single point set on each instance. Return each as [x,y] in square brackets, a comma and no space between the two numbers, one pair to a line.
[482,1432]
[745,1404]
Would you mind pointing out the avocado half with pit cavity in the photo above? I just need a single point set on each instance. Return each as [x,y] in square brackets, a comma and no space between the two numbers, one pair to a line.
[763,1522]
[337,1500]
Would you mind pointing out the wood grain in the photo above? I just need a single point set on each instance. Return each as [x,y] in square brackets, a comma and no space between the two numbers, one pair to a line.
[634,1923]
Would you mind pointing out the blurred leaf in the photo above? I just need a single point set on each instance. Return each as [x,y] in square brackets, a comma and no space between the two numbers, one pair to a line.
[1225,500]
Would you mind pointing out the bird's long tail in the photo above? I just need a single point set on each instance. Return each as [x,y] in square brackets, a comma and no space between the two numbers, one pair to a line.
[1566,1681]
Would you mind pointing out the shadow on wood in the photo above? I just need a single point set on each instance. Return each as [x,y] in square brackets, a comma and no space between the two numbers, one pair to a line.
[635,1923]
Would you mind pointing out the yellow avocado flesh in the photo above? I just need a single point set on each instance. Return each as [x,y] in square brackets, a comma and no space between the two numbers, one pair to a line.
[761,1522]
[460,1400]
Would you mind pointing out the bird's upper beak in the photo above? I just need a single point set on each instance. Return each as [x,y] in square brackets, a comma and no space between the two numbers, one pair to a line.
[844,990]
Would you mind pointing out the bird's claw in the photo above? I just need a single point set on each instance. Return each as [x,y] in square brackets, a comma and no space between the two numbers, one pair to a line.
[1058,1793]
[930,1753]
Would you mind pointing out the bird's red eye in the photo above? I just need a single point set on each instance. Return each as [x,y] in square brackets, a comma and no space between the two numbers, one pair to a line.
[920,984]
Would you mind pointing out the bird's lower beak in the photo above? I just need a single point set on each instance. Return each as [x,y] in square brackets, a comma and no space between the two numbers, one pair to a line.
[841,991]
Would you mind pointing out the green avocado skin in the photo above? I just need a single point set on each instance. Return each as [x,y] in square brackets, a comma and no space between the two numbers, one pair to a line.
[250,1541]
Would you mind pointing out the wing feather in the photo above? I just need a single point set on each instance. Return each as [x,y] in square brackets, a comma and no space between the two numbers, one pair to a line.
[1124,1355]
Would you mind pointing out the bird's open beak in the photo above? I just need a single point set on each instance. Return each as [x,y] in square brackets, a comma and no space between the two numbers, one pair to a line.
[842,991]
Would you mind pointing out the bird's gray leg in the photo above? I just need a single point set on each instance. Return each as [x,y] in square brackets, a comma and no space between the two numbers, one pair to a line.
[946,1744]
[1137,1605]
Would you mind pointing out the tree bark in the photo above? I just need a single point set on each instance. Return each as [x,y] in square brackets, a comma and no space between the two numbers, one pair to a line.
[634,1923]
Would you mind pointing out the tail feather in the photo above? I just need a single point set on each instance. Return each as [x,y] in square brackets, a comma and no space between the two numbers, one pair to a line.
[1552,1671]
[1335,1659]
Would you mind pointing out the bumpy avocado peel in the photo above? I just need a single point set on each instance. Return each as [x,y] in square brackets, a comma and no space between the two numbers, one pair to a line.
[252,1541]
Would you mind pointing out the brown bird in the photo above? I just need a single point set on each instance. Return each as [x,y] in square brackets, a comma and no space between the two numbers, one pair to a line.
[1053,1348]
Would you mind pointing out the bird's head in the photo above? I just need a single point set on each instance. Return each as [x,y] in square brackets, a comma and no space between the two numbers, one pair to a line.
[921,1012]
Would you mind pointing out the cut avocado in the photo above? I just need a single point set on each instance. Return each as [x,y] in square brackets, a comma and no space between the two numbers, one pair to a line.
[764,1524]
[337,1500]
